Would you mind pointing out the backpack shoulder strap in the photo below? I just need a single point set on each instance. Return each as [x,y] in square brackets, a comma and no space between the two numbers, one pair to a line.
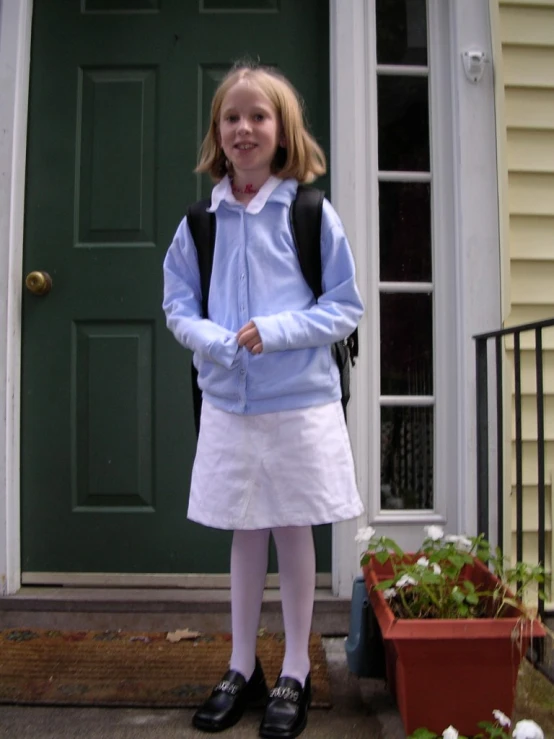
[202,228]
[305,220]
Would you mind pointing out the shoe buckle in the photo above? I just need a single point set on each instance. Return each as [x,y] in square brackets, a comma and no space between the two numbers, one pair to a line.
[285,693]
[225,686]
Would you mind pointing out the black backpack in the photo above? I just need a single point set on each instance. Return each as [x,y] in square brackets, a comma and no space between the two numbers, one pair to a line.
[305,221]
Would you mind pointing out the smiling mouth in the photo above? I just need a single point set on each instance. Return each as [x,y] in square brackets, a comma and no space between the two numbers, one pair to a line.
[245,147]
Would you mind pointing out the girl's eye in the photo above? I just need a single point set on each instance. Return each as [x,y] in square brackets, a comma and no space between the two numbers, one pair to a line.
[259,117]
[232,118]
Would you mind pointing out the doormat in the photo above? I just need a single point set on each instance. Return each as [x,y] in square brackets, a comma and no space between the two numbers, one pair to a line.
[117,668]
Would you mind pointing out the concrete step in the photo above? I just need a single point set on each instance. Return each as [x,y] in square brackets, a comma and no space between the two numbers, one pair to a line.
[145,609]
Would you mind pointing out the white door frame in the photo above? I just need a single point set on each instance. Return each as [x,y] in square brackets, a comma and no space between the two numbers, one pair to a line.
[463,140]
[353,159]
[15,52]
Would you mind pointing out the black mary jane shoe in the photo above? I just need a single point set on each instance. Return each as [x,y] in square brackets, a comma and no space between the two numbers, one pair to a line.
[229,698]
[286,713]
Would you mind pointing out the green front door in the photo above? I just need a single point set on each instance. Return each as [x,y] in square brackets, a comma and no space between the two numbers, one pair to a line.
[119,100]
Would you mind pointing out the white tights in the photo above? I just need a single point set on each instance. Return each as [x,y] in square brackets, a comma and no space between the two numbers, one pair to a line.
[296,558]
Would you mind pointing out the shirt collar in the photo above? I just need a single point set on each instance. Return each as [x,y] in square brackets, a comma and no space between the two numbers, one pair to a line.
[223,192]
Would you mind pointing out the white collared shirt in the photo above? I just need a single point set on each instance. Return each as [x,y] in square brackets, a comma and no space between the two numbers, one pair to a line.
[224,191]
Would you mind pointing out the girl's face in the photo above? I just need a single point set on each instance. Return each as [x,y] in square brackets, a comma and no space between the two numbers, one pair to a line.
[249,132]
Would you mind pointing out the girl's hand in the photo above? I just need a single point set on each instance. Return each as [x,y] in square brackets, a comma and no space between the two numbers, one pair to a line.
[249,337]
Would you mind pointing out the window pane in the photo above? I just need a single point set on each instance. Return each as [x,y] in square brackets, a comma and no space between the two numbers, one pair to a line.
[406,458]
[405,232]
[406,344]
[403,123]
[401,32]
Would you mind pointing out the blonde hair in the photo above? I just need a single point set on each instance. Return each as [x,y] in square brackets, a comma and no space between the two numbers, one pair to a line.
[302,158]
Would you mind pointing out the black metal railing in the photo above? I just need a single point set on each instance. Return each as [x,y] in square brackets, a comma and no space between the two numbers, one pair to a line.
[484,456]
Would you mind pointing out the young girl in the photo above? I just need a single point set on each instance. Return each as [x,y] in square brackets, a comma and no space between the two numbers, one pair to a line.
[273,453]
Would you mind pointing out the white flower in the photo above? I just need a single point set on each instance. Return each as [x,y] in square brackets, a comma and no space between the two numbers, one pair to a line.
[405,580]
[462,542]
[502,719]
[434,532]
[424,562]
[450,733]
[389,593]
[527,730]
[364,535]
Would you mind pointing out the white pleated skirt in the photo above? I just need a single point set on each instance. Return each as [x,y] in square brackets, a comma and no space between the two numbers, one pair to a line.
[290,468]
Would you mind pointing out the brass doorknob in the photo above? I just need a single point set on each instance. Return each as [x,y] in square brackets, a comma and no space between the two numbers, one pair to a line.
[39,283]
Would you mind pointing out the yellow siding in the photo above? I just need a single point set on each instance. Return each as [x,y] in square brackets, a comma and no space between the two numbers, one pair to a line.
[530,313]
[531,508]
[530,153]
[527,340]
[532,282]
[527,26]
[528,107]
[528,373]
[529,425]
[530,518]
[531,194]
[530,470]
[526,71]
[531,238]
[526,3]
[527,66]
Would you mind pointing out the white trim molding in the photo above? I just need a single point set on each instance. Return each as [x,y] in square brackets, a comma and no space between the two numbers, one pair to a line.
[355,196]
[476,232]
[15,52]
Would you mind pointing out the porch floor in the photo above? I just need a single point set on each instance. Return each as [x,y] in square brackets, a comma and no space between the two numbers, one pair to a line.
[361,707]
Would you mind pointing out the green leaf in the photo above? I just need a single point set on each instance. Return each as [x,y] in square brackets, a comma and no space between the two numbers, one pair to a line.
[493,731]
[391,544]
[458,596]
[384,584]
[424,734]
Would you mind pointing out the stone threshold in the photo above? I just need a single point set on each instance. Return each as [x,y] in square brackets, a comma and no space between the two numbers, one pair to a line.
[151,609]
[152,600]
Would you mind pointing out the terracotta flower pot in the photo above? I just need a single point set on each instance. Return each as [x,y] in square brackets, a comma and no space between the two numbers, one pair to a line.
[451,671]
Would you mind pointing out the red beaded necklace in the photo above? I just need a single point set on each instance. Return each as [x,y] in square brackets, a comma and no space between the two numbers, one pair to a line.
[247,190]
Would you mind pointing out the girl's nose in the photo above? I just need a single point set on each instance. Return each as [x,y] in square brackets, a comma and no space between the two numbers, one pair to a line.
[244,125]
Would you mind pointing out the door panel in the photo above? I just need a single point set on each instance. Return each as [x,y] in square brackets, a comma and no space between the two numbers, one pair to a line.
[119,101]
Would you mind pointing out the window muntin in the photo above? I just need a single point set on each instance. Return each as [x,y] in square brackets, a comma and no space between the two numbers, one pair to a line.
[406,292]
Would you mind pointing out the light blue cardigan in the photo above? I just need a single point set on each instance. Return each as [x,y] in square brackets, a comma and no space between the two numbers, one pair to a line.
[256,276]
